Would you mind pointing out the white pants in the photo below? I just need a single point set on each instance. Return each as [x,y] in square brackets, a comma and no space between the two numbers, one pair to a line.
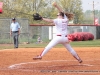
[60,40]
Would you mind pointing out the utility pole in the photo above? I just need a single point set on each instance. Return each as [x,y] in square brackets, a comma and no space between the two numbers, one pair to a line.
[94,12]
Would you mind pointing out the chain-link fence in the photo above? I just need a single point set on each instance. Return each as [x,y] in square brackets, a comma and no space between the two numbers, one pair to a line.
[5,30]
[48,32]
[31,33]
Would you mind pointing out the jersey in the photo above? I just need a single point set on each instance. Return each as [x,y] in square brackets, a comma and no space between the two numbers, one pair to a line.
[61,25]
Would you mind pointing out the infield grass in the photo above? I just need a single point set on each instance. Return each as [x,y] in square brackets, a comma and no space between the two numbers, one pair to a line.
[93,43]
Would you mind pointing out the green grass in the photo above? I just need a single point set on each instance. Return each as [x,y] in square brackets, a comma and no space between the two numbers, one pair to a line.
[93,43]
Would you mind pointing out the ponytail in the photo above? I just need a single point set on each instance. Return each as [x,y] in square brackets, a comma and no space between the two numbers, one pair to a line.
[69,15]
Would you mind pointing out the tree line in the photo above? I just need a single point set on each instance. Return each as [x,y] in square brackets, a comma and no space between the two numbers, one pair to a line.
[26,9]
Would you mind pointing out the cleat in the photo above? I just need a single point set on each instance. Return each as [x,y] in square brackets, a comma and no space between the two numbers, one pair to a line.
[37,57]
[80,61]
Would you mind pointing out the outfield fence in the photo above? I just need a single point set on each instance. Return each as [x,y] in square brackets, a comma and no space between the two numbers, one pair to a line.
[5,30]
[30,32]
[48,31]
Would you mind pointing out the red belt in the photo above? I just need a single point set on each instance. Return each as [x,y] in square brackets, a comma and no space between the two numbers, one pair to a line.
[60,35]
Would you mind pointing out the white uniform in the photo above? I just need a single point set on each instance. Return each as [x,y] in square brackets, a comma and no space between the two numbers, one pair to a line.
[60,38]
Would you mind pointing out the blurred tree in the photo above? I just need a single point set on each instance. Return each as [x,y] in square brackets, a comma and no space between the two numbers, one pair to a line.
[88,16]
[22,8]
[75,7]
[26,8]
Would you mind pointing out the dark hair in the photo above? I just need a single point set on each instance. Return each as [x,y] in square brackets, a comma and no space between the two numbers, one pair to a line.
[69,15]
[61,13]
[13,19]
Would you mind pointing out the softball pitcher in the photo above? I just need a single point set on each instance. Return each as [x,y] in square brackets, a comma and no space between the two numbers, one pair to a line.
[61,23]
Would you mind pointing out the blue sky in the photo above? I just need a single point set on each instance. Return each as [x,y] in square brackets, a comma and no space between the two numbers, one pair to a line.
[88,4]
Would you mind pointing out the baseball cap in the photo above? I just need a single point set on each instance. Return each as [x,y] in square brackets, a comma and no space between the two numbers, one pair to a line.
[13,19]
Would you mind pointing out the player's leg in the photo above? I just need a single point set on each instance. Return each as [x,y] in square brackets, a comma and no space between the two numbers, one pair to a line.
[54,42]
[73,52]
[16,40]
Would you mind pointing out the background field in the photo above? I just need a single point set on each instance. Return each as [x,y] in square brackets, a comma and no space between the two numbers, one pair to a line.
[93,43]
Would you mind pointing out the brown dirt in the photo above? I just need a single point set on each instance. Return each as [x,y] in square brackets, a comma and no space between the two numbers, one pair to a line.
[58,61]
